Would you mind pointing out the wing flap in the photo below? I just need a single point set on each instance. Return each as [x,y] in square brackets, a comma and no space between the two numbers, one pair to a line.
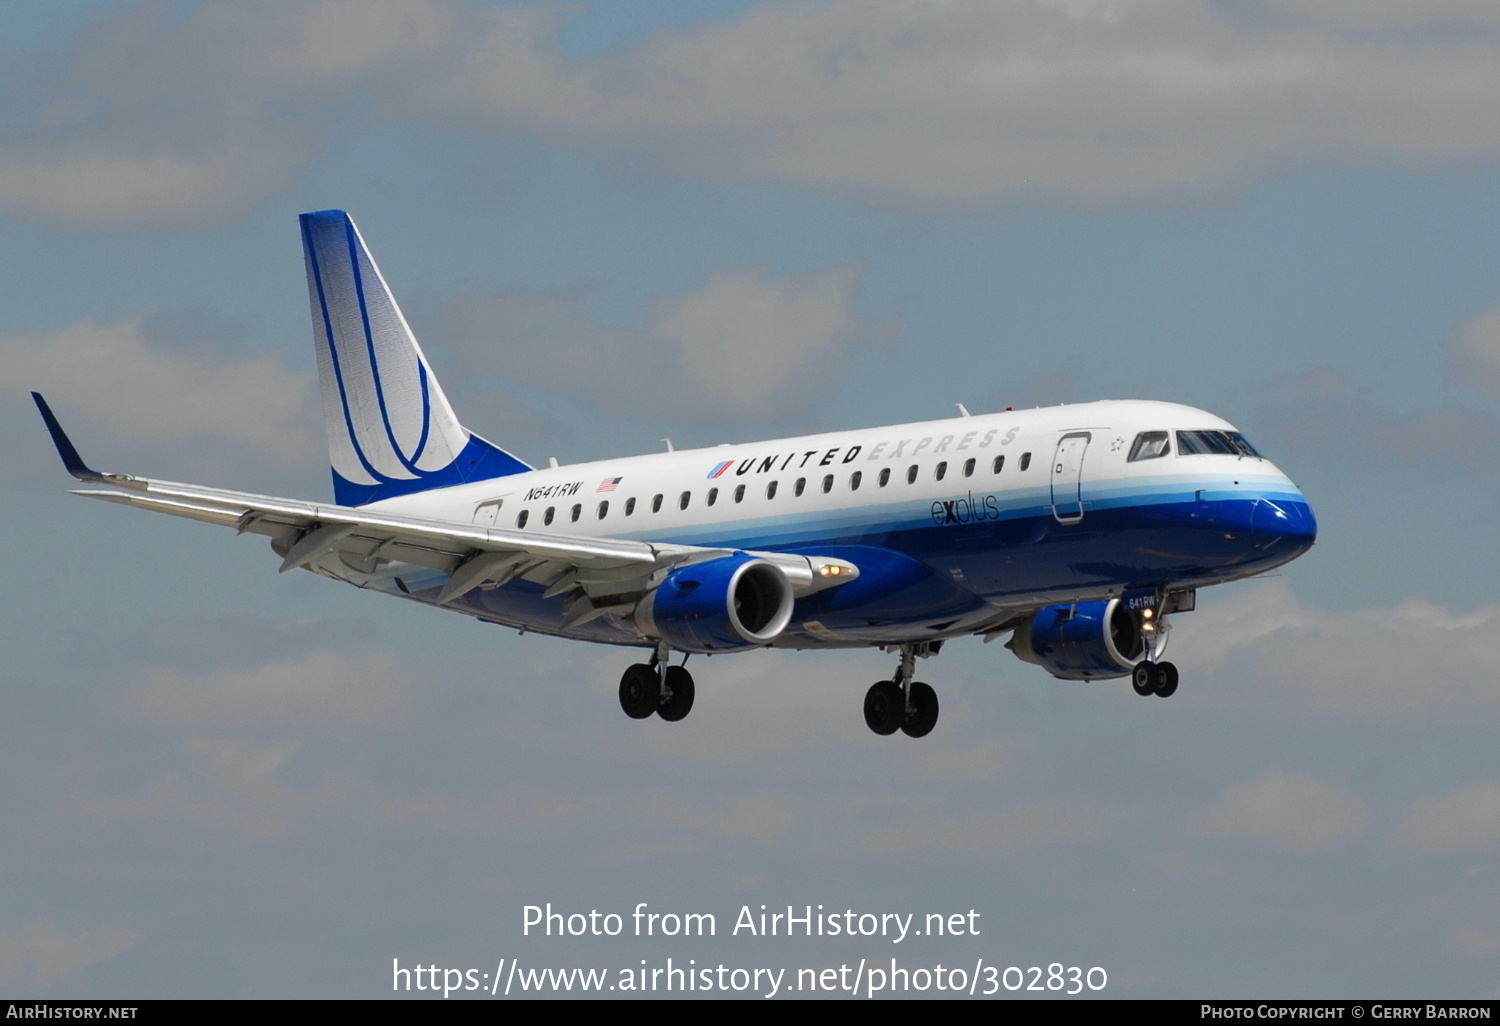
[476,556]
[305,531]
[256,513]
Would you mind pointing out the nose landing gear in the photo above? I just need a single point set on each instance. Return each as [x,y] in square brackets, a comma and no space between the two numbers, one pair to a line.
[1154,679]
[1151,675]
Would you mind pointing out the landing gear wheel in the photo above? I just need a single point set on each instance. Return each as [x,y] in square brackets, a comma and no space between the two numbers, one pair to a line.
[680,684]
[1166,679]
[640,691]
[921,716]
[885,707]
[1144,678]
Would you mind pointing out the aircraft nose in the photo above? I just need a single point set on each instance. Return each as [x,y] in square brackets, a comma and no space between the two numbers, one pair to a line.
[1291,520]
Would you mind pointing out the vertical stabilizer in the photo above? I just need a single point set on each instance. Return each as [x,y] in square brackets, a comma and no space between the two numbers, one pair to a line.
[390,429]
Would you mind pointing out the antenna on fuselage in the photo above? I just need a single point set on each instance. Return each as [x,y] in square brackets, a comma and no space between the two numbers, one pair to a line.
[670,446]
[963,409]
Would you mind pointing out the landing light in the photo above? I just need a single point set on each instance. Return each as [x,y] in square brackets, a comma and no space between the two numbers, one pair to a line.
[830,570]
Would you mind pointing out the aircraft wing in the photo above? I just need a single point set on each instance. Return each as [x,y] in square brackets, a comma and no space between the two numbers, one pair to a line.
[304,532]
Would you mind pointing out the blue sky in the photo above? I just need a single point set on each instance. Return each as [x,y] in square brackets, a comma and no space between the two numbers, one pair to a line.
[229,782]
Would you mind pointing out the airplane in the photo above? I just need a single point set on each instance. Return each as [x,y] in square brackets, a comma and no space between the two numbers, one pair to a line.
[1076,529]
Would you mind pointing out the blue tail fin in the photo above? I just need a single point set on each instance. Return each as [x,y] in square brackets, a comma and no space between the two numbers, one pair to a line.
[390,429]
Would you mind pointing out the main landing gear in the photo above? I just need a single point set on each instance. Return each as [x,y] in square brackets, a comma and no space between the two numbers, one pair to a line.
[1154,679]
[655,687]
[902,703]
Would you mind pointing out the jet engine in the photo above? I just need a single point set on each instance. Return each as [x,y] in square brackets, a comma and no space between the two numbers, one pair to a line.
[1087,640]
[719,605]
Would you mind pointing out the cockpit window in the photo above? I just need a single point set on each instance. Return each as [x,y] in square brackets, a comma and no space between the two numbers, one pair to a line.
[1214,443]
[1244,446]
[1149,445]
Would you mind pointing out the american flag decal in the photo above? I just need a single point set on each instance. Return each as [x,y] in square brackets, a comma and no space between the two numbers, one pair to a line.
[720,469]
[609,484]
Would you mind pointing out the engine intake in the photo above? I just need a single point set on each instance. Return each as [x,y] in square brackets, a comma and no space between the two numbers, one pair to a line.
[719,605]
[1084,641]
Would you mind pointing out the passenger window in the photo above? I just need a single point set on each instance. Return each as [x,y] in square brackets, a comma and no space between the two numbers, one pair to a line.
[940,471]
[656,504]
[911,474]
[713,496]
[799,486]
[686,498]
[998,465]
[854,480]
[1149,445]
[771,490]
[739,493]
[577,511]
[521,519]
[603,509]
[885,477]
[968,468]
[1025,460]
[827,483]
[547,517]
[630,505]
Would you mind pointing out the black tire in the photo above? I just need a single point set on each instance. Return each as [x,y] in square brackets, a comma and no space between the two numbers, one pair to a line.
[885,706]
[1143,678]
[923,714]
[1166,684]
[680,684]
[640,691]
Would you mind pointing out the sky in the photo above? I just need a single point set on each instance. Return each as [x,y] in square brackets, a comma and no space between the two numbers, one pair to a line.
[611,224]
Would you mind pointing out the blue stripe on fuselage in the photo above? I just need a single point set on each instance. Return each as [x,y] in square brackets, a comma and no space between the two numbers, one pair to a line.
[917,572]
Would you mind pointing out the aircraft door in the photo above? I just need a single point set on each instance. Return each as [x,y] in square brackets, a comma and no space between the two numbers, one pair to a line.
[1067,477]
[487,513]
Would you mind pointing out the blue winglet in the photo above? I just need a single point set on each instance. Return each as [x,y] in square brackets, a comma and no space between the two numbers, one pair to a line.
[65,448]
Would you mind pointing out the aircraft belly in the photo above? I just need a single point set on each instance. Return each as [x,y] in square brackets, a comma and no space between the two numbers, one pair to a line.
[932,580]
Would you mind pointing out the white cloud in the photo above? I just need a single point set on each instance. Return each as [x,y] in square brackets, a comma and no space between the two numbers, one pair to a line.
[975,104]
[885,826]
[231,785]
[160,121]
[1474,353]
[746,346]
[163,120]
[1465,821]
[1320,410]
[125,381]
[99,187]
[1287,810]
[39,952]
[1417,660]
[314,689]
[1387,15]
[747,341]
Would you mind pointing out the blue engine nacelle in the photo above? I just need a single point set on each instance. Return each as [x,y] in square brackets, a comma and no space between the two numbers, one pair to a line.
[719,605]
[1084,641]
